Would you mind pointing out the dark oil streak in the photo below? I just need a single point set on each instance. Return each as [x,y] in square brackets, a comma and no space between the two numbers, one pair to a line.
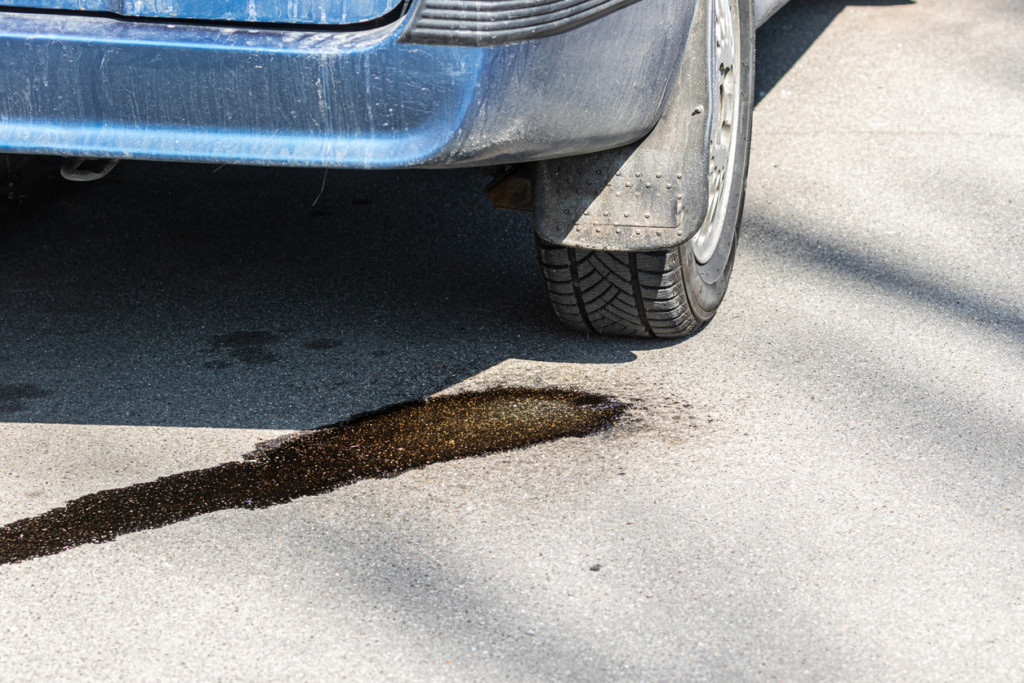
[380,444]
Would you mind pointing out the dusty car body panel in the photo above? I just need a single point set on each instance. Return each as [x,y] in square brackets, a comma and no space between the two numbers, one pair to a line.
[98,85]
[102,86]
[764,9]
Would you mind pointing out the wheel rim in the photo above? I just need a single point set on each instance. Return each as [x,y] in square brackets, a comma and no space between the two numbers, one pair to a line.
[725,103]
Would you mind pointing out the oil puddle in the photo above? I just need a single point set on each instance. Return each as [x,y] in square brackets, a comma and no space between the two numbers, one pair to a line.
[374,445]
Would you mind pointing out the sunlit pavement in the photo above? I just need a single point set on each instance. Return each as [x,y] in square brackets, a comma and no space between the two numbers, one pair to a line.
[825,483]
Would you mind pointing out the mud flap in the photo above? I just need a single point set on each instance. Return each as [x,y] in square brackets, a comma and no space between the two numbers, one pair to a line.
[650,195]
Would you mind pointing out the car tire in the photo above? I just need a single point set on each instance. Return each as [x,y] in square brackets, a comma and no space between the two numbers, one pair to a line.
[672,292]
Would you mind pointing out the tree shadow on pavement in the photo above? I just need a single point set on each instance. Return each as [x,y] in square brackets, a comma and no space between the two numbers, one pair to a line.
[790,33]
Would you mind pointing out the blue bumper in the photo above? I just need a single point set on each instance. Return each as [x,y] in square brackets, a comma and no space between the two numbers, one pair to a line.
[106,87]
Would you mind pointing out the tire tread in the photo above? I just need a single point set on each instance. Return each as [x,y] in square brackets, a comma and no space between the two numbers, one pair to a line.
[617,293]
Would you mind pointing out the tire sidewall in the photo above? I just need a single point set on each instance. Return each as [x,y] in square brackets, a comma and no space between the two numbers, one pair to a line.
[706,284]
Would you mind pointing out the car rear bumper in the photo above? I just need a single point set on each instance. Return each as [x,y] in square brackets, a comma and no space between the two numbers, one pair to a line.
[107,87]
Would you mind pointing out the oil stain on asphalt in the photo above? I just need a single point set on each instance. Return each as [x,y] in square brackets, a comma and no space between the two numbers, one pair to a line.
[374,445]
[251,348]
[13,397]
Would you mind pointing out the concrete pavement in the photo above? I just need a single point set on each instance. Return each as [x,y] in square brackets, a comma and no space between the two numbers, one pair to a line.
[825,483]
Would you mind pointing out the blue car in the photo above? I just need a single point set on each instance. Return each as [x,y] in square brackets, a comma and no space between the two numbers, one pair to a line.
[623,125]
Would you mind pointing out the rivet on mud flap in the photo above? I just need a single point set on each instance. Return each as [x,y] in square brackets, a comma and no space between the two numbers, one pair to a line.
[639,240]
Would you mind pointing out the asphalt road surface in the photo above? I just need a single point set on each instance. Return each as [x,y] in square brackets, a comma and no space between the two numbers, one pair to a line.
[824,483]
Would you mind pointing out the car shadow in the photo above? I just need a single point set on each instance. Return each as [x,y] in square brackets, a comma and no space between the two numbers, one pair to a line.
[189,295]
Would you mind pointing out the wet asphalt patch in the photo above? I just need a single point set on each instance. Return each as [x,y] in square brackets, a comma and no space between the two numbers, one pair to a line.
[251,348]
[381,444]
[13,397]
